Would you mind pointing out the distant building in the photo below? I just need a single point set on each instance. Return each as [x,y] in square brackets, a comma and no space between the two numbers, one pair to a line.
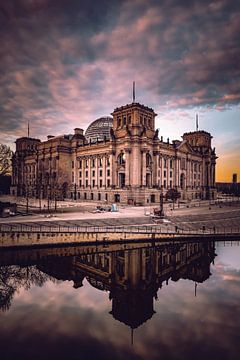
[119,159]
[234,178]
[228,188]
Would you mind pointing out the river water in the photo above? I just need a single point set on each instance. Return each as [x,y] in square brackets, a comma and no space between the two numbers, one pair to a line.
[123,301]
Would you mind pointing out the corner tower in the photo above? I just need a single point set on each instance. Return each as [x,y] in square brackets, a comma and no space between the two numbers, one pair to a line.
[134,120]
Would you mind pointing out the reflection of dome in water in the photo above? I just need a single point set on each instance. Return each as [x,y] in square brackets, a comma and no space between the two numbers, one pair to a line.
[99,129]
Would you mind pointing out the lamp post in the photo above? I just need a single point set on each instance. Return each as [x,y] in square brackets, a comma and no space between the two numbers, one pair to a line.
[161,213]
[75,191]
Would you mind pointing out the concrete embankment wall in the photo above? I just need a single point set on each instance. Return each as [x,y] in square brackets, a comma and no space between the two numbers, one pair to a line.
[38,239]
[13,239]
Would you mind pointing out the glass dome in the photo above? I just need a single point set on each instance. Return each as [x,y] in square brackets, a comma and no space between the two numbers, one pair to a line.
[99,129]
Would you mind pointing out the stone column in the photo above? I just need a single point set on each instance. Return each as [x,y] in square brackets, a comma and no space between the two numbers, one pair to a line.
[113,168]
[167,170]
[83,171]
[97,172]
[136,165]
[127,166]
[155,169]
[90,171]
[104,172]
[214,175]
[143,156]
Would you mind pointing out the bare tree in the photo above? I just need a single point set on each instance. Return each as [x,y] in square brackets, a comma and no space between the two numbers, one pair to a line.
[14,277]
[173,194]
[5,160]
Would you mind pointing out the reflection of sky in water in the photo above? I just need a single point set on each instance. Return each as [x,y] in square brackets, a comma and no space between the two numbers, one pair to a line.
[58,321]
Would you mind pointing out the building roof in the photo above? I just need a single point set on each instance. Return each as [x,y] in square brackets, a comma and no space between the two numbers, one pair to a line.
[99,129]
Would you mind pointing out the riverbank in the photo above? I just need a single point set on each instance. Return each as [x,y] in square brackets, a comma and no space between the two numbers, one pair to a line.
[128,224]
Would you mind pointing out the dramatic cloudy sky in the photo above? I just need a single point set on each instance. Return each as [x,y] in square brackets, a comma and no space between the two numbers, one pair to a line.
[64,63]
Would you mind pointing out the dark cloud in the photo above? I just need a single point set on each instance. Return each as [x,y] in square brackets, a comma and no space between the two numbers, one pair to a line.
[68,61]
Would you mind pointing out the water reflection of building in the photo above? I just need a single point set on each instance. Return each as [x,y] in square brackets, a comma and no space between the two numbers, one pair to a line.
[133,277]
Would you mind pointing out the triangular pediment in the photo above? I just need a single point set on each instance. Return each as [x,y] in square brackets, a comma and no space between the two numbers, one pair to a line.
[185,147]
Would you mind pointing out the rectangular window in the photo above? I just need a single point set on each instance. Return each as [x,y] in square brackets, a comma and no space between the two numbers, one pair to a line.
[100,162]
[171,184]
[80,164]
[93,173]
[165,184]
[93,183]
[54,163]
[93,162]
[85,196]
[99,196]
[86,183]
[80,174]
[108,182]
[183,164]
[72,164]
[164,173]
[106,197]
[108,161]
[171,164]
[72,177]
[80,183]
[86,174]
[170,174]
[165,163]
[108,172]
[100,173]
[100,183]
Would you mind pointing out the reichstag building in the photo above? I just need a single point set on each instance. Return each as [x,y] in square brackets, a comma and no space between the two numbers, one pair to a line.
[118,159]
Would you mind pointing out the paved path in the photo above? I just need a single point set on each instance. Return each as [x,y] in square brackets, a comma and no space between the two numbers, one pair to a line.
[187,218]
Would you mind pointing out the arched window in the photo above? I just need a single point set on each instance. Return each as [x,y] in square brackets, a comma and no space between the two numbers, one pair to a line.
[118,121]
[148,159]
[121,159]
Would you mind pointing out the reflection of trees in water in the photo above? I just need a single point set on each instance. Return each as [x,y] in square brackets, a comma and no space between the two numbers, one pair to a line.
[14,277]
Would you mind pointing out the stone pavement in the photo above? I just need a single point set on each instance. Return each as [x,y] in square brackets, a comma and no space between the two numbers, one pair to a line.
[193,217]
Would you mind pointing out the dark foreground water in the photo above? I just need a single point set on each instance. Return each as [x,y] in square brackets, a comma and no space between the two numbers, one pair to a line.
[140,301]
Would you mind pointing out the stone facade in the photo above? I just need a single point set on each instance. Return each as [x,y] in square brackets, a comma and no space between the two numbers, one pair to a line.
[131,166]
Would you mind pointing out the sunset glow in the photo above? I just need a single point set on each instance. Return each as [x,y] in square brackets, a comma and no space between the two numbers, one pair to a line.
[67,63]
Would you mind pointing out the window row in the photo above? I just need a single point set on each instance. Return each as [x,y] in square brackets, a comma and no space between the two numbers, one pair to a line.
[91,162]
[94,173]
[89,196]
[94,183]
